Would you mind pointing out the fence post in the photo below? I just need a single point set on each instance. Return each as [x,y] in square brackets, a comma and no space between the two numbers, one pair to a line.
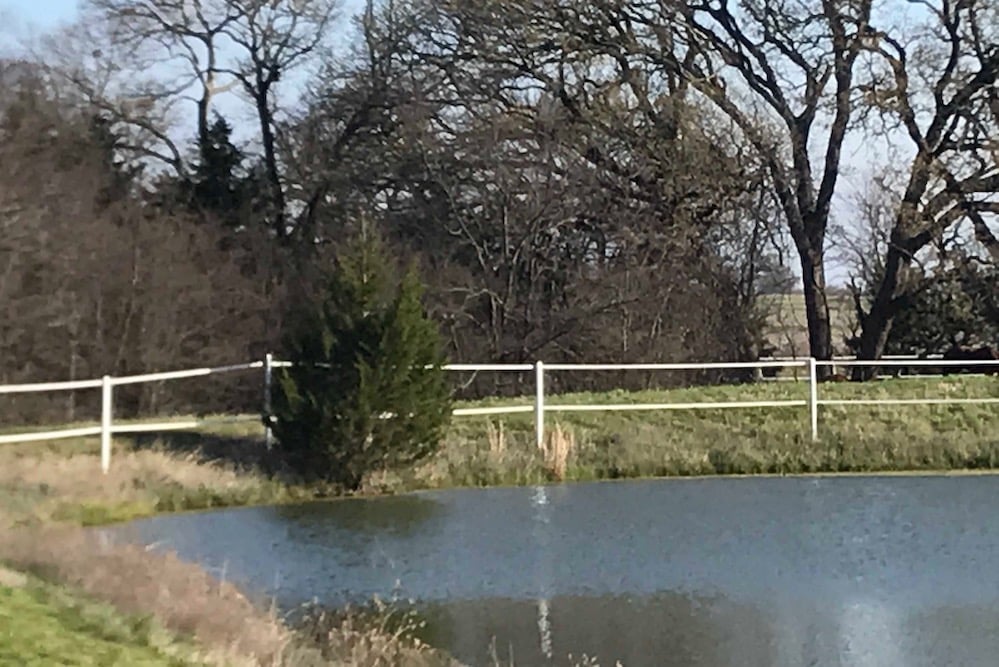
[268,374]
[107,408]
[813,397]
[539,404]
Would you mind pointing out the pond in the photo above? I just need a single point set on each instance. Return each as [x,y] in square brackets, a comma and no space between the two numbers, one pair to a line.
[748,571]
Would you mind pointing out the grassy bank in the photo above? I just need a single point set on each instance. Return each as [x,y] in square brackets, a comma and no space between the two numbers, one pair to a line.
[484,451]
[47,489]
[68,598]
[227,464]
[44,624]
[62,482]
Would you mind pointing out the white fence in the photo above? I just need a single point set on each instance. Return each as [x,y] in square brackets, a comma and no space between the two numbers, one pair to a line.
[539,406]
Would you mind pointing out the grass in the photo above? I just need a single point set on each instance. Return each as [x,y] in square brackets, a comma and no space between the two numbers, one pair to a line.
[225,464]
[63,482]
[90,603]
[41,624]
[46,489]
[609,445]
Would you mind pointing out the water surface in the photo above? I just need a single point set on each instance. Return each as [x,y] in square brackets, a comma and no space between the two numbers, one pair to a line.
[750,571]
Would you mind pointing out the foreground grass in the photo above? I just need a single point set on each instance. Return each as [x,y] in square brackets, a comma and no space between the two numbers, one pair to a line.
[41,624]
[90,603]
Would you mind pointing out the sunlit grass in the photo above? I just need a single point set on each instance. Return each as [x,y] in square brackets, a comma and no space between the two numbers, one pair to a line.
[42,624]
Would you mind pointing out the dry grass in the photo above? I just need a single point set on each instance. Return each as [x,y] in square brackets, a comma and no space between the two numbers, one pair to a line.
[379,636]
[496,437]
[48,489]
[181,596]
[225,624]
[558,446]
[40,484]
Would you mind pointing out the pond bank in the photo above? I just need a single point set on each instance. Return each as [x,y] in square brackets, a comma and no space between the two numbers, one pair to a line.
[58,484]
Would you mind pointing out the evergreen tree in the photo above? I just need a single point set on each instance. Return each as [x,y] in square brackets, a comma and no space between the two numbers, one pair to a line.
[217,184]
[952,304]
[366,390]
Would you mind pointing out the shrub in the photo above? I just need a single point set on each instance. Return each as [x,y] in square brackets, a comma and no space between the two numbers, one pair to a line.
[366,390]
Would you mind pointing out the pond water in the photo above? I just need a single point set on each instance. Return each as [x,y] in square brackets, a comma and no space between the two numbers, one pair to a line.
[751,571]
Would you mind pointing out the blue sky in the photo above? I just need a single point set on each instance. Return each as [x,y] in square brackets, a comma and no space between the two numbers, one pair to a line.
[28,15]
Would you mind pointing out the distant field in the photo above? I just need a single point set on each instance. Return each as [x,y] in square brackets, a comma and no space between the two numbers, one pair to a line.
[787,329]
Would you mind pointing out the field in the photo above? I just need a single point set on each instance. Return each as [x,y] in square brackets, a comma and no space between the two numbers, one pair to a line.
[786,328]
[159,607]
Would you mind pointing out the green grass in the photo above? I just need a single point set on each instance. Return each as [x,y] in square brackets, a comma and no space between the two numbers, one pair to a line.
[729,441]
[41,624]
[608,445]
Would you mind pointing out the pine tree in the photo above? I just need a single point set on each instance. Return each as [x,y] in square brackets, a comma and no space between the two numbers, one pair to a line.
[366,390]
[217,185]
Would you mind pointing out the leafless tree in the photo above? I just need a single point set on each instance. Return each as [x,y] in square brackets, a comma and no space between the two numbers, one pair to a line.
[93,278]
[939,90]
[541,229]
[188,33]
[774,71]
[274,38]
[210,47]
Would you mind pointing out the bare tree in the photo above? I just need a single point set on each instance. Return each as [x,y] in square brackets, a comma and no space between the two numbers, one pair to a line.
[214,46]
[87,63]
[774,71]
[940,92]
[94,277]
[189,33]
[274,38]
[584,233]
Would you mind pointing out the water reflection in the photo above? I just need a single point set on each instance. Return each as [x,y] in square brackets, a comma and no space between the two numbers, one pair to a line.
[696,631]
[397,516]
[858,571]
[666,629]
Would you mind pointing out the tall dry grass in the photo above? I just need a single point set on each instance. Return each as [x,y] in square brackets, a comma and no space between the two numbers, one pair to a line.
[40,484]
[181,596]
[557,448]
[228,626]
[47,490]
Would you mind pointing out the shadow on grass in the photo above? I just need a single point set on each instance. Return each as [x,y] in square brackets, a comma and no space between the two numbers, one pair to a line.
[243,453]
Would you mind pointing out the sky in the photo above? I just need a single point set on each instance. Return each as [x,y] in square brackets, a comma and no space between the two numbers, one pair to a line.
[29,15]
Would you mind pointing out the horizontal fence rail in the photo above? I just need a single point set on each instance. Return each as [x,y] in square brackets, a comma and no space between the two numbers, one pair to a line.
[538,407]
[49,386]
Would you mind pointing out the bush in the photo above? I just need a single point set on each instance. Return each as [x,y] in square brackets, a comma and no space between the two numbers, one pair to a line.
[366,390]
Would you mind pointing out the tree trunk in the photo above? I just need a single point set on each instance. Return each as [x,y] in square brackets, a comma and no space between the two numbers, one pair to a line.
[875,325]
[276,198]
[813,275]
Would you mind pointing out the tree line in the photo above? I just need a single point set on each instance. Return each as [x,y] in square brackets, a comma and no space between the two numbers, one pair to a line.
[583,181]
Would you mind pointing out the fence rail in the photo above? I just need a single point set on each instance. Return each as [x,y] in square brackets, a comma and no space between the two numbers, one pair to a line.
[539,407]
